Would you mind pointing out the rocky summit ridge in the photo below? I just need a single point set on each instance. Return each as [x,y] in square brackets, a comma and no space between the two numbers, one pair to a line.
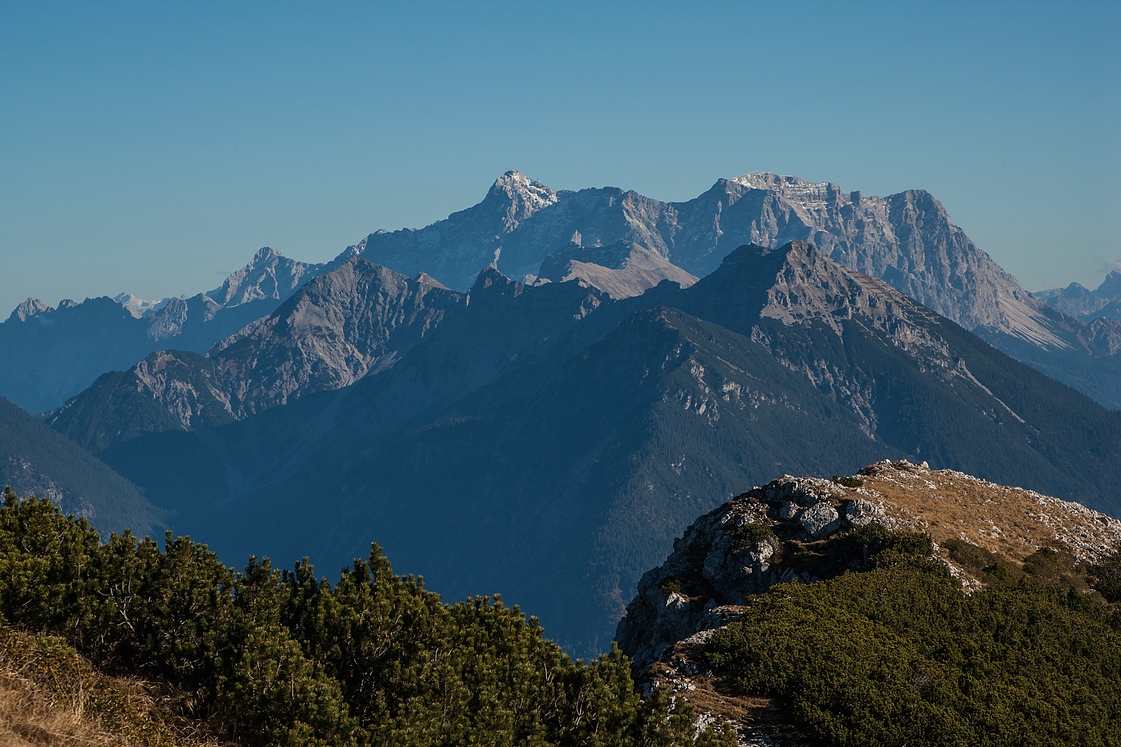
[779,533]
[334,330]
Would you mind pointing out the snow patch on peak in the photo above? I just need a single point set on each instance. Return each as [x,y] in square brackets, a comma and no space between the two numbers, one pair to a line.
[526,196]
[779,182]
[791,187]
[139,307]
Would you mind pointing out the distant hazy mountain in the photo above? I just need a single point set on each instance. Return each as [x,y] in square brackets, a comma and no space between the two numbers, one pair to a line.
[907,239]
[35,460]
[63,350]
[1087,305]
[548,443]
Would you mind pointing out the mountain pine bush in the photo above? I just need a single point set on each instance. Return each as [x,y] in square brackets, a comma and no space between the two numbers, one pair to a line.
[286,658]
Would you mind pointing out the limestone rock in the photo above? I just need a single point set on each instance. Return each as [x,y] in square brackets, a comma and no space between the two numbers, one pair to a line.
[820,520]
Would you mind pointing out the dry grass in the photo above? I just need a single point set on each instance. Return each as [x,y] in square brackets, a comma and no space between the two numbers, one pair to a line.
[49,695]
[1012,522]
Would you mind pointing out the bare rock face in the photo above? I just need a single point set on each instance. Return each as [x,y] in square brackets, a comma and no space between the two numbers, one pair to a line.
[343,325]
[28,309]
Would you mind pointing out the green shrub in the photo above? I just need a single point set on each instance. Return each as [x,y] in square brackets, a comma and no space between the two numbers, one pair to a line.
[848,482]
[1107,577]
[671,585]
[289,659]
[746,535]
[900,656]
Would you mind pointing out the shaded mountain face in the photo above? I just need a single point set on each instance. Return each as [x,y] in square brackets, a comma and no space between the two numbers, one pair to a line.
[336,329]
[906,239]
[35,460]
[67,348]
[548,443]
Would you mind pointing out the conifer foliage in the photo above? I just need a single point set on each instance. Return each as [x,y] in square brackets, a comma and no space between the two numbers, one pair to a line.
[286,658]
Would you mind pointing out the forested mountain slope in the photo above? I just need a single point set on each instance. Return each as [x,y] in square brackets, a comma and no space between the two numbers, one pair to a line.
[37,460]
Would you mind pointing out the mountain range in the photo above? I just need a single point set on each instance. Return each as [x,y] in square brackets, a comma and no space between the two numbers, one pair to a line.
[548,440]
[64,349]
[537,394]
[618,241]
[907,239]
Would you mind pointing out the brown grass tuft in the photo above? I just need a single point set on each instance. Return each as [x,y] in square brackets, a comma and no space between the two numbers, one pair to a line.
[49,695]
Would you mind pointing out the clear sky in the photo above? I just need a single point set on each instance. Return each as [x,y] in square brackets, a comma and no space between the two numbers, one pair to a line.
[153,147]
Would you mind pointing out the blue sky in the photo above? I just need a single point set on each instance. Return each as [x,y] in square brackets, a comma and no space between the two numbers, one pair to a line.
[153,147]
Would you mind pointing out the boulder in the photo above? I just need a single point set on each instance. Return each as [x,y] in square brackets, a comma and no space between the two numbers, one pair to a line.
[820,520]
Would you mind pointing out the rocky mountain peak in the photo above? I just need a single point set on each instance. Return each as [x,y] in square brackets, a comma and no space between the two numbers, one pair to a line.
[29,308]
[268,275]
[797,284]
[491,281]
[811,286]
[519,196]
[425,279]
[264,254]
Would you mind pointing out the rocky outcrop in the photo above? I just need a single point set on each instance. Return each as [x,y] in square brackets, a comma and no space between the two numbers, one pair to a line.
[754,541]
[730,554]
[779,533]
